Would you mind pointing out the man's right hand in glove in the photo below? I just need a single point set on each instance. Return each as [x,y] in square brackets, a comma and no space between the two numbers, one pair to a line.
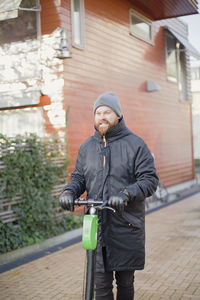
[66,201]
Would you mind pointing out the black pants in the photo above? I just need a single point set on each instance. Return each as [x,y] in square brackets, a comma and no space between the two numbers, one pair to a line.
[124,281]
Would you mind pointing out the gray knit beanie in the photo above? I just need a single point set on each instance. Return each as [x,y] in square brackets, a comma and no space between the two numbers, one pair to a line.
[108,99]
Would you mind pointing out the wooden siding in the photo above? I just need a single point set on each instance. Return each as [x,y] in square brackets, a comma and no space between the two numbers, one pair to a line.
[113,60]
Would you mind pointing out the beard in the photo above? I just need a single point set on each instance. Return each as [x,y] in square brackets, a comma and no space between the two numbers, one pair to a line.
[104,126]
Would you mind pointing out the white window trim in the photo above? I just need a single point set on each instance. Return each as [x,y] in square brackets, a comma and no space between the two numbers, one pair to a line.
[80,45]
[133,13]
[177,80]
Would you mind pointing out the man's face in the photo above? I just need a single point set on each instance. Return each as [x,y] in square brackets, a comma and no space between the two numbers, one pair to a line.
[104,119]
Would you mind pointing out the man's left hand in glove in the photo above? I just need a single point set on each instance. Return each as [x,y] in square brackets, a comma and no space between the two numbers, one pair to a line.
[118,202]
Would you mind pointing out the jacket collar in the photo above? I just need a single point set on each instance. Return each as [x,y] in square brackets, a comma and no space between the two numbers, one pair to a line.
[114,132]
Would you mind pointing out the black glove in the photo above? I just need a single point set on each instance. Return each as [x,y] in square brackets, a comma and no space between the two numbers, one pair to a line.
[66,200]
[119,201]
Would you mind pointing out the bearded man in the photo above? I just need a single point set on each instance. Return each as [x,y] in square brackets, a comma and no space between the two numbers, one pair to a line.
[114,165]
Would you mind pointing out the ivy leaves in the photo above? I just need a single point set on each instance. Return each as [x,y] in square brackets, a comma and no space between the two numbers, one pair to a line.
[28,173]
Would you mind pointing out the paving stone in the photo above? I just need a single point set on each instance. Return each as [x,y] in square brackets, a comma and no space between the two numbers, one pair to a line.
[172,268]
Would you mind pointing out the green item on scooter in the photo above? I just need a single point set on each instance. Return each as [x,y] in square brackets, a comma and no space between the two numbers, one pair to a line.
[89,237]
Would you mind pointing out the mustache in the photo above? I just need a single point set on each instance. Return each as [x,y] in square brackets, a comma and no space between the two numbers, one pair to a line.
[103,122]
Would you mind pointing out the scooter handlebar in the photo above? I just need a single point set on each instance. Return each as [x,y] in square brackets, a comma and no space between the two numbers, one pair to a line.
[83,201]
[98,204]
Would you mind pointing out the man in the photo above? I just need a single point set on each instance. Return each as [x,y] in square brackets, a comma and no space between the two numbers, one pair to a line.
[114,165]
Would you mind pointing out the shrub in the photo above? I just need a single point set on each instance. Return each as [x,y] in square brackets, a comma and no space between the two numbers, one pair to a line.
[29,169]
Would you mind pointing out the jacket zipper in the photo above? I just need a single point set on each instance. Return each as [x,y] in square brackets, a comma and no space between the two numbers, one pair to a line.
[104,157]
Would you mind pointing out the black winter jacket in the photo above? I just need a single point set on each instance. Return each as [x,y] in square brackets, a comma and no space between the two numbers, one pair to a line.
[128,166]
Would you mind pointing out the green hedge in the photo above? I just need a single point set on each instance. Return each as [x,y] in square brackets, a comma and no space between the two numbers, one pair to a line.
[29,170]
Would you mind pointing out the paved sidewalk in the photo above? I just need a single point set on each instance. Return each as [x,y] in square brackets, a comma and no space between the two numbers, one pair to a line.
[172,263]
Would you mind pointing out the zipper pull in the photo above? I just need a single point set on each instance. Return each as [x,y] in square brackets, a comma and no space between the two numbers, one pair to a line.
[104,140]
[104,158]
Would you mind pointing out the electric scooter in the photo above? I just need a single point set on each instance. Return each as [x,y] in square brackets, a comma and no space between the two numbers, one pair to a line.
[89,241]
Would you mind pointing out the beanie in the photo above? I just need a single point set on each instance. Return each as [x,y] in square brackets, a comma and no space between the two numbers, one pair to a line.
[108,99]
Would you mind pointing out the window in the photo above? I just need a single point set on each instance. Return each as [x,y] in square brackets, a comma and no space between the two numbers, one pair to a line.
[20,70]
[176,64]
[195,73]
[23,27]
[77,15]
[140,26]
[20,121]
[171,58]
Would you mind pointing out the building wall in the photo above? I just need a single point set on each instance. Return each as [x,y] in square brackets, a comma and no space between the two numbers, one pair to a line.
[113,60]
[31,69]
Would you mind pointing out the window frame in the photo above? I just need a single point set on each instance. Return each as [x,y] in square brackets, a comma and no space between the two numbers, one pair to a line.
[181,77]
[173,79]
[81,44]
[133,13]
